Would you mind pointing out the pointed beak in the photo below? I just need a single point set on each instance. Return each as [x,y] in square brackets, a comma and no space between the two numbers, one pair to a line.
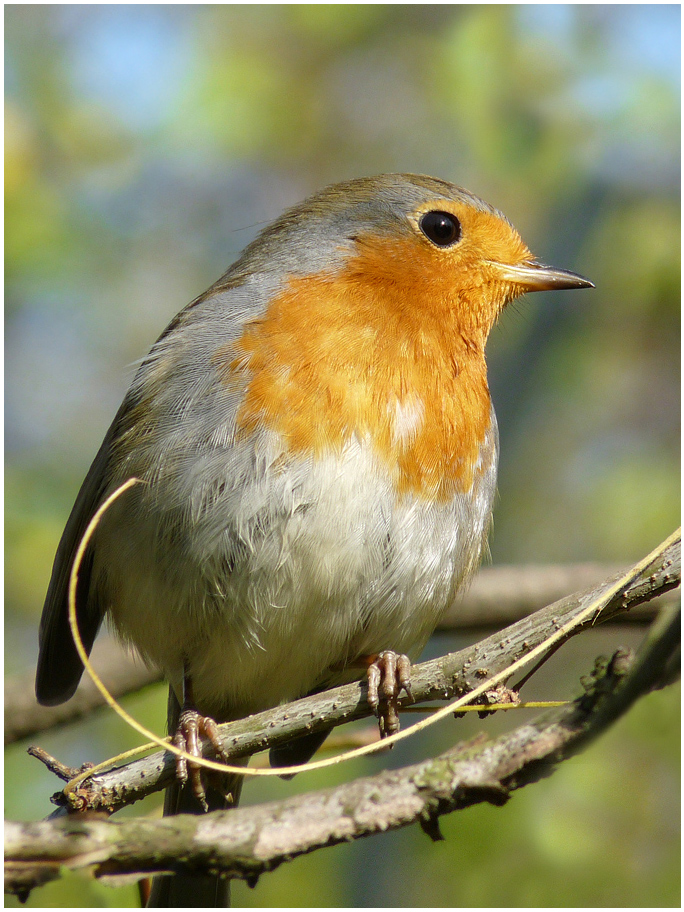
[537,277]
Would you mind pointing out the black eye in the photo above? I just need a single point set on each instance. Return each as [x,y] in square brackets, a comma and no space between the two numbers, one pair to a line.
[442,228]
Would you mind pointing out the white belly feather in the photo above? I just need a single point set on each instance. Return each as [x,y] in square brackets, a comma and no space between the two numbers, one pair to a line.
[273,574]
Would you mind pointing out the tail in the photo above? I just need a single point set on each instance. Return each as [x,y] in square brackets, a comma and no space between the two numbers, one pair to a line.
[184,891]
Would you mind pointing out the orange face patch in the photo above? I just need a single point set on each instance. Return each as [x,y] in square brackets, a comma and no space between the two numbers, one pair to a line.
[391,350]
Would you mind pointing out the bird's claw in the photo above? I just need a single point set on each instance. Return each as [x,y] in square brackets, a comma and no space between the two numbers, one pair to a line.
[388,674]
[191,726]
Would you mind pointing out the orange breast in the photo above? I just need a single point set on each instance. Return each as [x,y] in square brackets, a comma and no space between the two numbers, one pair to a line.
[357,355]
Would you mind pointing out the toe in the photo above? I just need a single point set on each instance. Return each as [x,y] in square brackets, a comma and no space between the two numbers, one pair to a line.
[388,674]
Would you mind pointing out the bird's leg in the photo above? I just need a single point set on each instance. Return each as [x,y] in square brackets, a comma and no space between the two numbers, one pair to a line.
[191,726]
[388,673]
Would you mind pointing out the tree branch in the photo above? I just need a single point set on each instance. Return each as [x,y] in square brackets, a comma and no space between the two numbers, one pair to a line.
[247,842]
[442,678]
[121,670]
[498,596]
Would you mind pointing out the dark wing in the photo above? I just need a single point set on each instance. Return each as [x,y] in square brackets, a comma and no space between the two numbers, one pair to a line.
[216,320]
[59,666]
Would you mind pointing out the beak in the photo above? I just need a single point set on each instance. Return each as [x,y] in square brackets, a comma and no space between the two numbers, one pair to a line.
[537,277]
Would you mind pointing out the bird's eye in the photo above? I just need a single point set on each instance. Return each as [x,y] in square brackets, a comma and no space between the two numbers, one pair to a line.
[442,228]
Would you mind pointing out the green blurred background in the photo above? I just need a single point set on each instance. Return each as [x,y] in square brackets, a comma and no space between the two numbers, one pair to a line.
[146,145]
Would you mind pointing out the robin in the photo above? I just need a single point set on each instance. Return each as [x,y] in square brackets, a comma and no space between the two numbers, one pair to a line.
[317,449]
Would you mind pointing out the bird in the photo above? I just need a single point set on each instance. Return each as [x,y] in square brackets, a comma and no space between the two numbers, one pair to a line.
[317,452]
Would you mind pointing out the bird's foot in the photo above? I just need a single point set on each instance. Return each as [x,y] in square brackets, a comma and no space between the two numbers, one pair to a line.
[388,674]
[192,725]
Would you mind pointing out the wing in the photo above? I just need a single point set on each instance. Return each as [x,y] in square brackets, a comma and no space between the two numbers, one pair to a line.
[214,320]
[59,666]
